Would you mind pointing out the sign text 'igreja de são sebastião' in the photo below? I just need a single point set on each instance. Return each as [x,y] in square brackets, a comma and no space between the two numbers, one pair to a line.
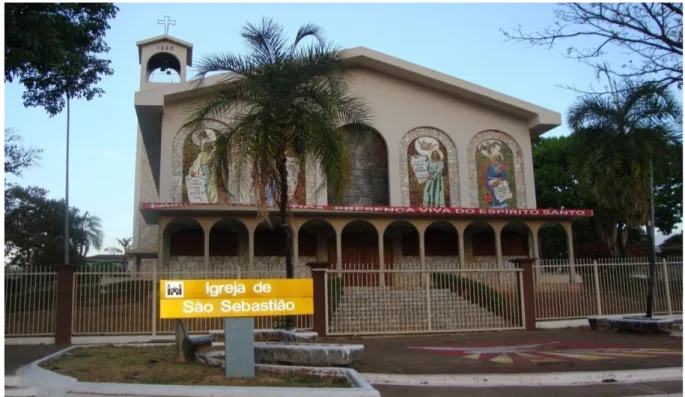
[235,298]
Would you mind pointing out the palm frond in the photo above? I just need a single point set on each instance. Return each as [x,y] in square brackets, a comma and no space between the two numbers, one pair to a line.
[308,30]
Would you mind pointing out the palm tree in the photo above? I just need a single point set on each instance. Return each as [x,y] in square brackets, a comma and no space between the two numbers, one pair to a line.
[280,100]
[618,137]
[88,233]
[125,244]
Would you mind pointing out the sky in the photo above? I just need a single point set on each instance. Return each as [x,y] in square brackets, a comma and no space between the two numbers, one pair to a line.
[462,40]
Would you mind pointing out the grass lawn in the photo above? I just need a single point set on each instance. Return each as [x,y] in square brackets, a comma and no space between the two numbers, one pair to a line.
[155,365]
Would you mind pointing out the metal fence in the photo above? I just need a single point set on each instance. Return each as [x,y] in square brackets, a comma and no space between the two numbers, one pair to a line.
[608,286]
[360,299]
[110,303]
[30,302]
[372,301]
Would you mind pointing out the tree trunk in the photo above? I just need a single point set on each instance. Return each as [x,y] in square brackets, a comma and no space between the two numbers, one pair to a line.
[180,335]
[284,220]
[289,271]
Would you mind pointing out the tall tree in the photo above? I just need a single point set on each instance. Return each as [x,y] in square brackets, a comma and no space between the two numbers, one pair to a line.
[280,99]
[33,228]
[619,135]
[651,33]
[17,157]
[54,50]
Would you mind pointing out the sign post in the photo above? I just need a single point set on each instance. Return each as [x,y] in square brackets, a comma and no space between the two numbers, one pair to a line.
[239,346]
[238,302]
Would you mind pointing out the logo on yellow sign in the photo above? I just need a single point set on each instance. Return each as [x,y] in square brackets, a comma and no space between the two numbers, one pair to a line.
[235,298]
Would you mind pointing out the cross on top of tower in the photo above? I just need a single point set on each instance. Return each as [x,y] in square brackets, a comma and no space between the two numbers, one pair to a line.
[166,22]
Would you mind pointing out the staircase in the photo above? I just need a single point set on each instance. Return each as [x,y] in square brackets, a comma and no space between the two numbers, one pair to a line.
[13,388]
[388,310]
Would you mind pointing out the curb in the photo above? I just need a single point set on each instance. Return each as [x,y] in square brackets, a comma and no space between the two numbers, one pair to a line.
[528,379]
[46,383]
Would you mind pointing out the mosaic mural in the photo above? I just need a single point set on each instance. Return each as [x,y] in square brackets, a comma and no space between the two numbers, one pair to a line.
[428,173]
[429,169]
[296,183]
[369,168]
[199,176]
[496,179]
[199,182]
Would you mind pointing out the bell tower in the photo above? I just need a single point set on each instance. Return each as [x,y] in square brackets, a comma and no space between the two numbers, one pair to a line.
[165,54]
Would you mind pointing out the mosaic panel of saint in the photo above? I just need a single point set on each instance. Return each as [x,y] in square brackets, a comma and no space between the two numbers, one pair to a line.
[496,179]
[296,182]
[428,173]
[199,176]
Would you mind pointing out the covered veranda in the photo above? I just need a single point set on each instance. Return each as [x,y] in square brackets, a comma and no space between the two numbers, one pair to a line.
[215,237]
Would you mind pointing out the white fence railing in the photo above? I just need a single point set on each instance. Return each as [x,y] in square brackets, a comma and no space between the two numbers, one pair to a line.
[608,286]
[30,302]
[374,301]
[362,299]
[131,305]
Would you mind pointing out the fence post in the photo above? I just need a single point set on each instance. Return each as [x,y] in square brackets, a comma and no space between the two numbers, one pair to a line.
[64,311]
[319,270]
[528,301]
[598,294]
[428,301]
[667,284]
[155,299]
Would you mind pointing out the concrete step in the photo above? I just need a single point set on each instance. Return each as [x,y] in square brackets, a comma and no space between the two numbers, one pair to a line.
[12,381]
[20,392]
[13,388]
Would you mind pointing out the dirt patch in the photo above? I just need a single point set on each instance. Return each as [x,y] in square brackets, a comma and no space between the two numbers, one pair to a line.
[155,365]
[393,354]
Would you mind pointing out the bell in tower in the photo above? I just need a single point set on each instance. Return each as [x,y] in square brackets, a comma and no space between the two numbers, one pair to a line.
[163,59]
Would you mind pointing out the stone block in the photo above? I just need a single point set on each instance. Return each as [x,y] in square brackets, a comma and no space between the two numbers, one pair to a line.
[315,355]
[273,335]
[311,355]
[640,323]
[598,322]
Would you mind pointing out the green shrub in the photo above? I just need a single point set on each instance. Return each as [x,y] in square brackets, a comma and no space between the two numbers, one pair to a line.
[477,292]
[283,323]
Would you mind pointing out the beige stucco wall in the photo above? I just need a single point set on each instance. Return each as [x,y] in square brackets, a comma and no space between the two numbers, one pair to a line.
[397,108]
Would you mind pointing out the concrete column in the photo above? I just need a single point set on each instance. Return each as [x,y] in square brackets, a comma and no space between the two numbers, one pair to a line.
[250,248]
[536,251]
[462,250]
[206,252]
[571,258]
[381,260]
[319,280]
[422,250]
[338,249]
[498,248]
[527,294]
[160,243]
[64,303]
[296,251]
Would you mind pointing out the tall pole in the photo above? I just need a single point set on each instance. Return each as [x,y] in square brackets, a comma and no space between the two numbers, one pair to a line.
[650,239]
[66,200]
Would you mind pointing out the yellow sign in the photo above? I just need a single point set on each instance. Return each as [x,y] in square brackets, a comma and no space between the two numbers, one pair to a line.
[235,298]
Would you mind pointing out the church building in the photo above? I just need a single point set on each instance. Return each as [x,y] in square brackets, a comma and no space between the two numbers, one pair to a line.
[441,177]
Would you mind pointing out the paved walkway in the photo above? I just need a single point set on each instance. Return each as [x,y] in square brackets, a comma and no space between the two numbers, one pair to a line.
[608,390]
[577,349]
[16,356]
